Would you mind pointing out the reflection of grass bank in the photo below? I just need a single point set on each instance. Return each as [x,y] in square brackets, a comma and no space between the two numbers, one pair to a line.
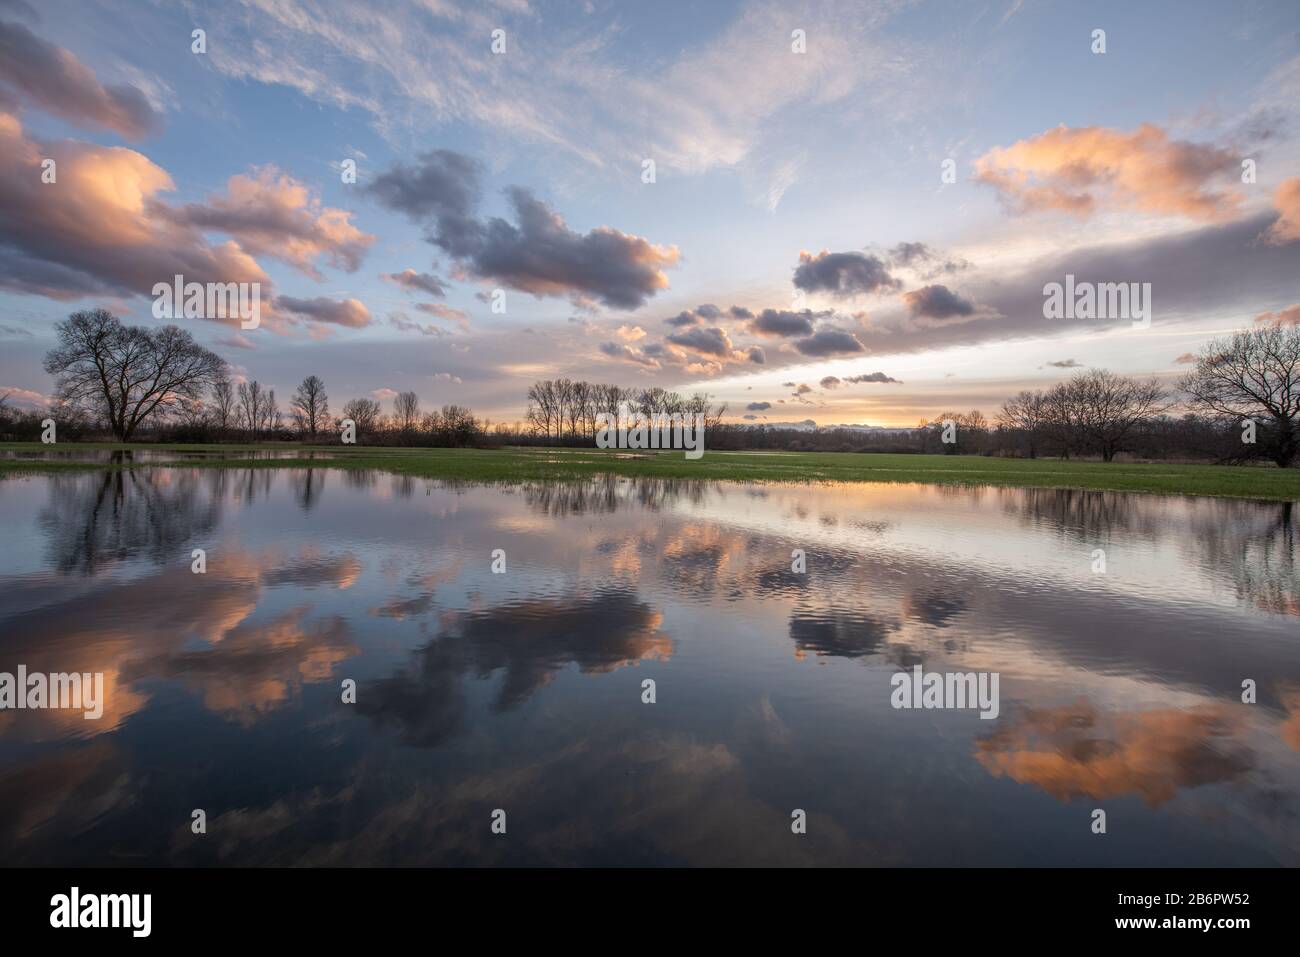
[518,464]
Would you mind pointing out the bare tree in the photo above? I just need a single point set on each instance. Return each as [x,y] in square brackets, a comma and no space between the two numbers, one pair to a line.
[363,412]
[1061,429]
[1107,409]
[653,401]
[272,418]
[1254,375]
[252,407]
[608,397]
[563,390]
[457,426]
[543,408]
[310,406]
[127,373]
[566,409]
[1025,412]
[579,407]
[699,404]
[192,413]
[223,403]
[406,411]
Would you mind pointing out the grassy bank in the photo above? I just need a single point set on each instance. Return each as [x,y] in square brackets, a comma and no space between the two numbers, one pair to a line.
[517,464]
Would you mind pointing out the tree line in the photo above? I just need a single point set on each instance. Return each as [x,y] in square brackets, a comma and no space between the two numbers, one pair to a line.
[560,409]
[250,412]
[128,380]
[1240,401]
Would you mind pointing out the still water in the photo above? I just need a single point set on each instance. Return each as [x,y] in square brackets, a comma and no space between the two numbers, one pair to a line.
[523,691]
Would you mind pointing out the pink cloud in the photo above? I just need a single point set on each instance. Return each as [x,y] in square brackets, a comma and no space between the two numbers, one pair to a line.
[1081,169]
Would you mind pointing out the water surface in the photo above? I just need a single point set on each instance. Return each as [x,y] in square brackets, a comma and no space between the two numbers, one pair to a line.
[523,691]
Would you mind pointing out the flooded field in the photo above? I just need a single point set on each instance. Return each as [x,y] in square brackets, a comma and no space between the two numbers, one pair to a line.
[500,637]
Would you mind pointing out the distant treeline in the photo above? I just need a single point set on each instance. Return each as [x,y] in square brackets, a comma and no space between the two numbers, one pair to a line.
[1190,437]
[566,410]
[1240,402]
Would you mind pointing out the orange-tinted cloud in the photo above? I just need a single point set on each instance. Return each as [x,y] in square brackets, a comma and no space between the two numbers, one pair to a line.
[1081,169]
[97,228]
[457,316]
[246,667]
[1287,200]
[1080,750]
[102,228]
[272,214]
[24,398]
[1290,316]
[258,667]
[1290,729]
[351,313]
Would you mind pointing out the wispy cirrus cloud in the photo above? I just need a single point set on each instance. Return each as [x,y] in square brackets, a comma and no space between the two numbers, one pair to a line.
[414,64]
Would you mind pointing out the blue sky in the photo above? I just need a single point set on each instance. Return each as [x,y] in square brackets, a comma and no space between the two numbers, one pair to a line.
[761,153]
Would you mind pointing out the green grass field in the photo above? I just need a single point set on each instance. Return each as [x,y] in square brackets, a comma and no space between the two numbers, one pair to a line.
[518,464]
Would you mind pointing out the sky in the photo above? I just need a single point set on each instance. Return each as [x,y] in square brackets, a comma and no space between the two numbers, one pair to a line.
[838,211]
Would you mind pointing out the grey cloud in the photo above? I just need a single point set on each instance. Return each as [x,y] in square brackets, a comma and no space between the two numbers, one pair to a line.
[443,187]
[1193,273]
[420,281]
[780,322]
[924,260]
[538,253]
[758,406]
[401,320]
[904,254]
[55,80]
[871,377]
[699,315]
[346,312]
[619,350]
[843,274]
[709,342]
[829,342]
[756,355]
[46,248]
[937,302]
